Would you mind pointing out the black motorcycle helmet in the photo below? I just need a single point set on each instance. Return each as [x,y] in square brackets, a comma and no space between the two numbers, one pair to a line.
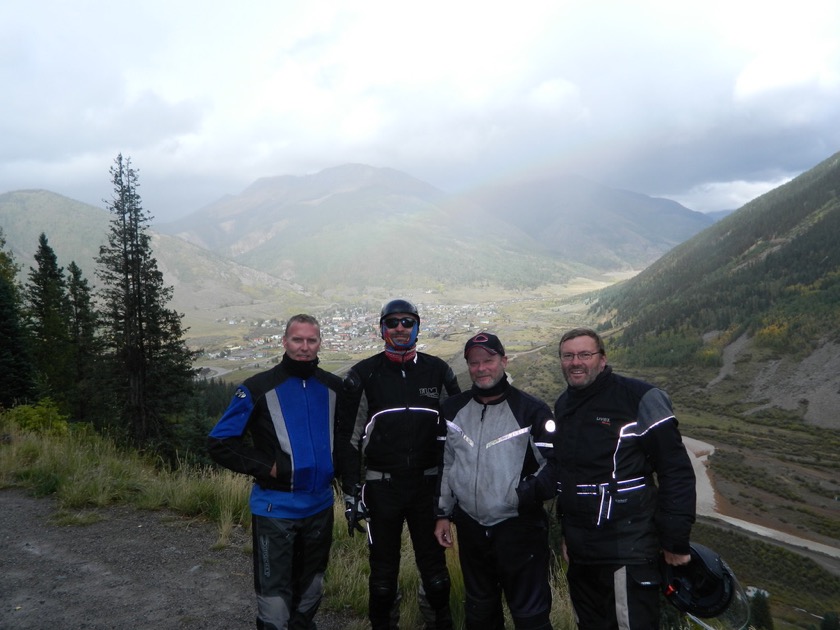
[398,306]
[704,587]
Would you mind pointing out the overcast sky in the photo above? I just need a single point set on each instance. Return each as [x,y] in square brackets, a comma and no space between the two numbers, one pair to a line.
[709,103]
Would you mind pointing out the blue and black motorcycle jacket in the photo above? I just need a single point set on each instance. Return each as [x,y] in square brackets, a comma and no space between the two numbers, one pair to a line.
[276,418]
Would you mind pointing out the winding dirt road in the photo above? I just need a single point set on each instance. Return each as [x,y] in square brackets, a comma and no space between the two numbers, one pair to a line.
[707,506]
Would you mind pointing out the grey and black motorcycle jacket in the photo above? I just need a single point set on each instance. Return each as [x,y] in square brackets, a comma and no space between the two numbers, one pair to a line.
[496,457]
[626,485]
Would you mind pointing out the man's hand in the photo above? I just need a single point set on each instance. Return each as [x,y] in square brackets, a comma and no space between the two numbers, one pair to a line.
[676,559]
[443,532]
[355,511]
[353,516]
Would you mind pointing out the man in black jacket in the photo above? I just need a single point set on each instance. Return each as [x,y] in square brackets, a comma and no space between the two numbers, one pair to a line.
[279,429]
[626,488]
[392,418]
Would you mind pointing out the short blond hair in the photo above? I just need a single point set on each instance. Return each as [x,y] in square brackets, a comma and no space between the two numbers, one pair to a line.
[302,318]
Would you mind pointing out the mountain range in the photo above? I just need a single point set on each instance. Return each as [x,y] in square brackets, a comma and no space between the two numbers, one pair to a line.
[761,288]
[770,270]
[348,226]
[358,230]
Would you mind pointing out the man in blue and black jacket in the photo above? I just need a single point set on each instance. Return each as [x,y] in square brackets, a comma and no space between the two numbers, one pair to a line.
[279,429]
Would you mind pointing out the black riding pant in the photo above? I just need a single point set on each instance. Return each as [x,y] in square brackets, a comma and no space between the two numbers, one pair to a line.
[510,558]
[390,502]
[290,558]
[615,597]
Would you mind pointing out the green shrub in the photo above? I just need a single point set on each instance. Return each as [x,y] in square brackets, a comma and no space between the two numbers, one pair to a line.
[43,418]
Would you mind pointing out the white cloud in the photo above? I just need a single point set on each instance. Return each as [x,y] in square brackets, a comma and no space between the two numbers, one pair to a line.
[652,95]
[715,196]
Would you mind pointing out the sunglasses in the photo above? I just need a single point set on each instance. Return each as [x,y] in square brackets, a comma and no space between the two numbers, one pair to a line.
[407,322]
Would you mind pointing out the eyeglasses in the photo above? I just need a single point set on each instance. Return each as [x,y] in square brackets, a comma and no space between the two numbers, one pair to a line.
[407,322]
[583,356]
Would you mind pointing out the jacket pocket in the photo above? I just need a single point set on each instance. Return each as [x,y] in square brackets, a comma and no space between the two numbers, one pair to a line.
[647,576]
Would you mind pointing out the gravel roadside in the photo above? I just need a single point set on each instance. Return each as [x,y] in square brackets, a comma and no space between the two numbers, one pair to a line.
[130,569]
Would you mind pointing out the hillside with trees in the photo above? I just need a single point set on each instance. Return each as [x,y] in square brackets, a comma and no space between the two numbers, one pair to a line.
[114,359]
[770,270]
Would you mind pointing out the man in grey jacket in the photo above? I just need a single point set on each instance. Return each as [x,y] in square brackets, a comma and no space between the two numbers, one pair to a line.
[493,483]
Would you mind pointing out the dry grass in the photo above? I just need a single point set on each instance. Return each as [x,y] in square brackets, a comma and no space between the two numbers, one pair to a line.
[84,470]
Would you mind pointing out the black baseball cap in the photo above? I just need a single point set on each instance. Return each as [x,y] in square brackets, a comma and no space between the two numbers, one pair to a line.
[486,340]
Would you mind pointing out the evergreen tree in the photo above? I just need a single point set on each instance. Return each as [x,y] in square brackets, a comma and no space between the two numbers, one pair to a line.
[8,267]
[830,621]
[48,311]
[85,345]
[151,368]
[16,371]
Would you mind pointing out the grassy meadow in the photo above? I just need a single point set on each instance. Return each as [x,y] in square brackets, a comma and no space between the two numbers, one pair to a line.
[83,470]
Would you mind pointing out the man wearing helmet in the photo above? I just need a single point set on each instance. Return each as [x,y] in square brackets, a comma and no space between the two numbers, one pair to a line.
[626,488]
[391,416]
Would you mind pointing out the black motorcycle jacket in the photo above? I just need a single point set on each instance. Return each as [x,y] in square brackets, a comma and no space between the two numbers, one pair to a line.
[626,485]
[391,416]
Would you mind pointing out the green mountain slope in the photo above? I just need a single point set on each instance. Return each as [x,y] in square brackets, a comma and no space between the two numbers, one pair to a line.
[207,286]
[75,230]
[770,269]
[595,225]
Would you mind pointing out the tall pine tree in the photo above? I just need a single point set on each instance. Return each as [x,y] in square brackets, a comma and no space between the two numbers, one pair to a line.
[16,371]
[48,314]
[8,267]
[85,346]
[150,366]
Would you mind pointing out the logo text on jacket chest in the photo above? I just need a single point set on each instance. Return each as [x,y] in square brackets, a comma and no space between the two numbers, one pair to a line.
[429,392]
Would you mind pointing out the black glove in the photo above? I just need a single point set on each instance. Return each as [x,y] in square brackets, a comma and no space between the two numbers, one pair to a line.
[525,492]
[354,511]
